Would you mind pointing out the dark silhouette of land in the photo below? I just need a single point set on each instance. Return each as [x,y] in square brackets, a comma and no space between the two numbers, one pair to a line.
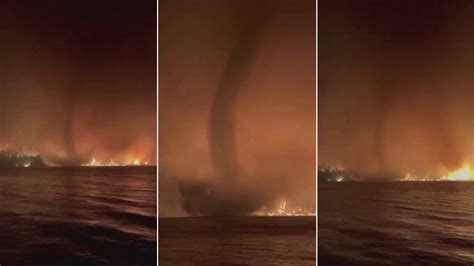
[11,158]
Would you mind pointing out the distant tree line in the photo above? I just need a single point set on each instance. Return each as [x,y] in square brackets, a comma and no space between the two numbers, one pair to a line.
[11,158]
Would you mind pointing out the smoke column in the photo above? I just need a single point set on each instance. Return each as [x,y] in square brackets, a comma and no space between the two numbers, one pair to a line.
[68,132]
[237,106]
[227,194]
[221,122]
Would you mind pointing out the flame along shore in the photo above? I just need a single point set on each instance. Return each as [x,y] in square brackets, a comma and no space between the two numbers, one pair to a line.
[463,173]
[12,156]
[132,162]
[284,210]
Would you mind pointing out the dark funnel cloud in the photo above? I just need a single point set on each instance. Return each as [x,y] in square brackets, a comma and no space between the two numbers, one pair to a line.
[236,106]
[242,57]
[226,195]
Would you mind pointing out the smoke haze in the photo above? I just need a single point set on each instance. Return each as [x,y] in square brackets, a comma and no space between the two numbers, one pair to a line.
[395,85]
[78,79]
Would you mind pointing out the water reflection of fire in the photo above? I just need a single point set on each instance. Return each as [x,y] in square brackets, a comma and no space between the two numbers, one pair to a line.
[284,210]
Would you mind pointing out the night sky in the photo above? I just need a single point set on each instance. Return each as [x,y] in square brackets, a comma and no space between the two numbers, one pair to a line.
[396,85]
[78,79]
[237,98]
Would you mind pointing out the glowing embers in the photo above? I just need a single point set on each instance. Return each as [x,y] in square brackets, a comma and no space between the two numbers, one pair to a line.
[134,162]
[462,174]
[412,177]
[284,209]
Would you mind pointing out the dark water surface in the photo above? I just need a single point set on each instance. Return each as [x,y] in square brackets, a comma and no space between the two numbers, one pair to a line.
[237,241]
[78,216]
[396,223]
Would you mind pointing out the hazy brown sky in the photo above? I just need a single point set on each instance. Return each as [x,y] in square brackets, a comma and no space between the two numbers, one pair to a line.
[396,84]
[81,68]
[273,75]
